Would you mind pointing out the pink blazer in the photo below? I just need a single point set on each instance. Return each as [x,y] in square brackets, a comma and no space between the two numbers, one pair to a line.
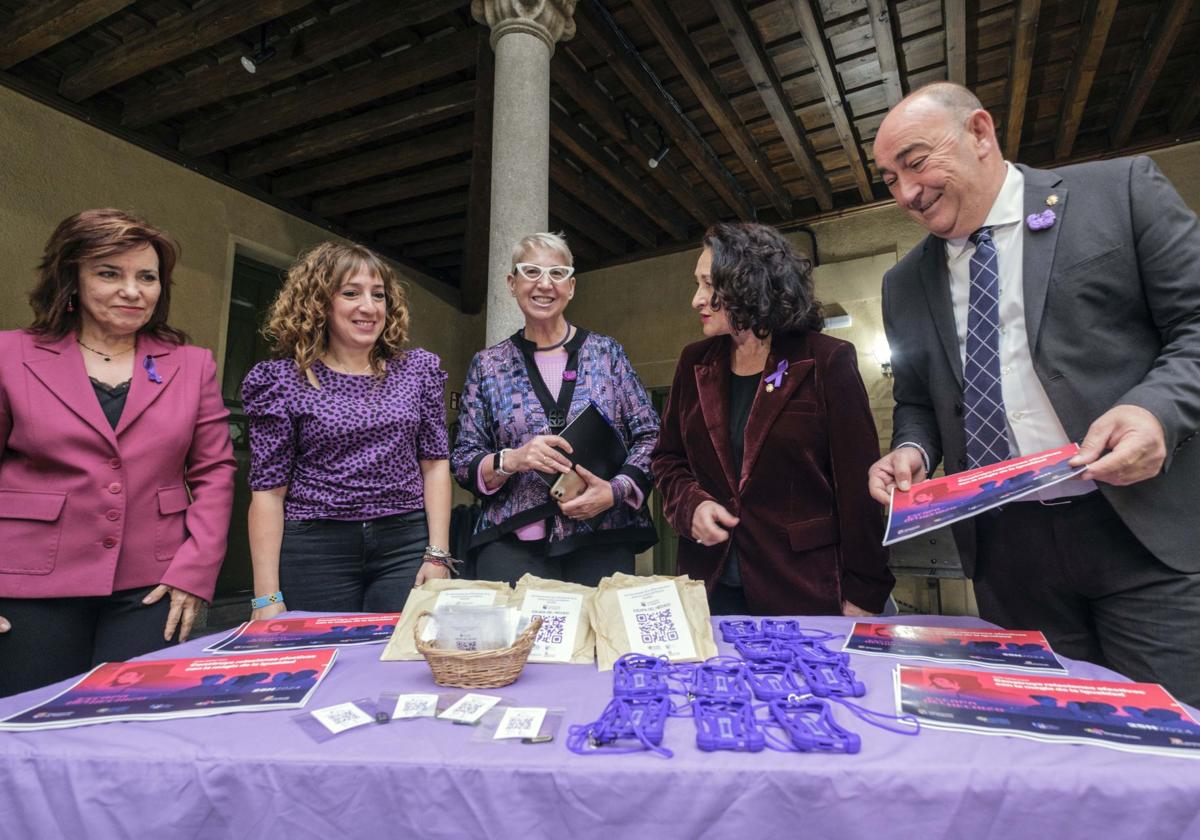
[86,509]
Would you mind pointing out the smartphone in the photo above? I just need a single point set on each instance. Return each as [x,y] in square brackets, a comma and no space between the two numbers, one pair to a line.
[568,486]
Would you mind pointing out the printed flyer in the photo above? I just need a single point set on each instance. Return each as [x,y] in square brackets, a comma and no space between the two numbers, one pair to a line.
[1024,650]
[1136,717]
[938,502]
[311,632]
[179,688]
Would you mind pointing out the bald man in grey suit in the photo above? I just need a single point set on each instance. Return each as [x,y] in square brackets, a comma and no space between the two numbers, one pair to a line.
[1047,307]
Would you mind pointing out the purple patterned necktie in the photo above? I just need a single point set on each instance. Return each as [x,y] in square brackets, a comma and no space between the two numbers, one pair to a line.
[983,401]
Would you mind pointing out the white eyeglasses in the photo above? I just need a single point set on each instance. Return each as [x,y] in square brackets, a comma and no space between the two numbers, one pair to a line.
[534,272]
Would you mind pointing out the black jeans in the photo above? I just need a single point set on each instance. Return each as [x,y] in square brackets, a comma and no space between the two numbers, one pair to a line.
[330,565]
[55,638]
[508,558]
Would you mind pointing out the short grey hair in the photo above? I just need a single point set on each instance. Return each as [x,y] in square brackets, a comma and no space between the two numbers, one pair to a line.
[546,241]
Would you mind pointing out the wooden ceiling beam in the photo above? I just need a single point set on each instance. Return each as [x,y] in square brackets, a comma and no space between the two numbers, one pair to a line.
[1160,38]
[954,16]
[603,35]
[476,265]
[1094,23]
[421,233]
[403,155]
[172,39]
[1185,112]
[368,127]
[302,50]
[595,196]
[740,29]
[674,39]
[885,50]
[409,213]
[571,137]
[400,71]
[582,248]
[575,214]
[39,26]
[596,103]
[1020,68]
[835,96]
[393,190]
[449,245]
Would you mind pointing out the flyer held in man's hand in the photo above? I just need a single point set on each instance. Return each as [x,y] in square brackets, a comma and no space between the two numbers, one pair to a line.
[159,689]
[938,502]
[1136,717]
[311,632]
[1023,650]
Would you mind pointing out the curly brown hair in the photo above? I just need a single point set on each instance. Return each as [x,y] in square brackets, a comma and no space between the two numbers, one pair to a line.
[762,282]
[296,324]
[91,235]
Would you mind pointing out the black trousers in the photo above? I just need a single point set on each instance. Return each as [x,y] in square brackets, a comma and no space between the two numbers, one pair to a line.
[1076,573]
[55,638]
[508,558]
[330,565]
[728,600]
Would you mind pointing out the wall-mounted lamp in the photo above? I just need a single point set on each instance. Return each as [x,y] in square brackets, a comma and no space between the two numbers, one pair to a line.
[883,354]
[264,53]
[658,156]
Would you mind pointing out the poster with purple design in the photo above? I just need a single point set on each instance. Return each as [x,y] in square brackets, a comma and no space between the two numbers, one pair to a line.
[176,688]
[938,502]
[1022,650]
[309,632]
[1136,717]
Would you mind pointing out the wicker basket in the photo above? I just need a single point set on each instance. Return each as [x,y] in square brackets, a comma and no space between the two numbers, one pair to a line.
[477,668]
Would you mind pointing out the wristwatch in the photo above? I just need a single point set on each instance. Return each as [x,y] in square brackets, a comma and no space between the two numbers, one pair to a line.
[266,600]
[498,463]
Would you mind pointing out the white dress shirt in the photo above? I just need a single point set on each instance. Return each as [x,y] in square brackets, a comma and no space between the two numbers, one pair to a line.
[1033,426]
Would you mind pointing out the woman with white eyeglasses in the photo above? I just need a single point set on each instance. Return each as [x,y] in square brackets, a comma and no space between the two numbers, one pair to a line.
[518,397]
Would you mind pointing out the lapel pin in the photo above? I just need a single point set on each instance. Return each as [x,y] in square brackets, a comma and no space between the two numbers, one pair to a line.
[1051,200]
[775,380]
[151,370]
[1041,221]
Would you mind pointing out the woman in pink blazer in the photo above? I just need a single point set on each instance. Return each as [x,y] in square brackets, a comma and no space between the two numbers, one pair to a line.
[116,470]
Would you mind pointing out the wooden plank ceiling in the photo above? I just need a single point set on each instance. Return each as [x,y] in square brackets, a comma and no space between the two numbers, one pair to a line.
[366,116]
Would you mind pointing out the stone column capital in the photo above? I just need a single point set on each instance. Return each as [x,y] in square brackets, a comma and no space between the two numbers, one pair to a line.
[549,20]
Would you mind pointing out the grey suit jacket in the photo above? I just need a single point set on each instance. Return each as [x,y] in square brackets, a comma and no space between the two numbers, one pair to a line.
[1112,311]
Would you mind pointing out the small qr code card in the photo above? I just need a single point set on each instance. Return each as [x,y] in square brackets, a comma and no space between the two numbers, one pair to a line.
[341,717]
[520,722]
[469,708]
[415,705]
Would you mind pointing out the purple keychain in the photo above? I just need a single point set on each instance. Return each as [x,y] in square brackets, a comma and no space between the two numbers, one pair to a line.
[638,675]
[726,725]
[722,677]
[830,680]
[733,629]
[774,680]
[762,650]
[642,719]
[813,651]
[810,725]
[781,628]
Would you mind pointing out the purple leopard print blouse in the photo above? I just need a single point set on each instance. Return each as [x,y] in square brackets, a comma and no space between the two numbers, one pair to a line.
[350,449]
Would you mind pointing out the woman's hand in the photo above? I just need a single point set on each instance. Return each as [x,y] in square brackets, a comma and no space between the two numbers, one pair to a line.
[855,611]
[4,625]
[269,611]
[184,608]
[539,453]
[709,523]
[593,501]
[431,571]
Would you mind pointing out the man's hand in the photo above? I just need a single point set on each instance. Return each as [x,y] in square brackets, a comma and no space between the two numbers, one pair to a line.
[1135,443]
[900,468]
[709,523]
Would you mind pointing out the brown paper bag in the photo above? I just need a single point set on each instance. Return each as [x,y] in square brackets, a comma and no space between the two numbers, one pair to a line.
[649,607]
[425,597]
[584,649]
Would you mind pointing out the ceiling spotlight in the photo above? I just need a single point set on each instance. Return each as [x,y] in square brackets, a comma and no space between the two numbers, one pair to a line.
[264,53]
[654,161]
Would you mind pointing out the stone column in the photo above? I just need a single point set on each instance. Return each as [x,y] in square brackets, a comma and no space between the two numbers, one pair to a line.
[524,33]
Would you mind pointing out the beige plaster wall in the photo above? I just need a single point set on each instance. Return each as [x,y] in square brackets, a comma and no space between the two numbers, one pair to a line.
[52,165]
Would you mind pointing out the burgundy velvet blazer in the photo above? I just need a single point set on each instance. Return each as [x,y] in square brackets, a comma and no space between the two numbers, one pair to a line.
[809,535]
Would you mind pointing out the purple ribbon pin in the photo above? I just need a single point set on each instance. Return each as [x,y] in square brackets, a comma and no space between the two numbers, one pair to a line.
[569,375]
[775,380]
[1041,221]
[151,370]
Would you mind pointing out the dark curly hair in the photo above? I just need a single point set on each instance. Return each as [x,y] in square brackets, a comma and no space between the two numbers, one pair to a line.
[761,281]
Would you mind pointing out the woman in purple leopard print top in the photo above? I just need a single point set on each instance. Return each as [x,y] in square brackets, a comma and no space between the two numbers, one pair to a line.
[519,394]
[350,478]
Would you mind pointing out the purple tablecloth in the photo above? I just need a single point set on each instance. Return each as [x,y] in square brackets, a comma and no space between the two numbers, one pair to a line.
[260,775]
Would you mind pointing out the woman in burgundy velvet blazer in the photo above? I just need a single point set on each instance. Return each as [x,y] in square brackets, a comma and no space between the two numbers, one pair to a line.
[765,440]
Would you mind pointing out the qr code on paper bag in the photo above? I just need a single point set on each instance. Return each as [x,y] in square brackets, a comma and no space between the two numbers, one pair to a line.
[657,626]
[552,628]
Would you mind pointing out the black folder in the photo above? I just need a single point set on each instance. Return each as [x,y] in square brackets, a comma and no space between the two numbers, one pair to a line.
[596,445]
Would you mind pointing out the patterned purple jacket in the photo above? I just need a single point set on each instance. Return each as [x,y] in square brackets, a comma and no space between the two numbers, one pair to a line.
[501,409]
